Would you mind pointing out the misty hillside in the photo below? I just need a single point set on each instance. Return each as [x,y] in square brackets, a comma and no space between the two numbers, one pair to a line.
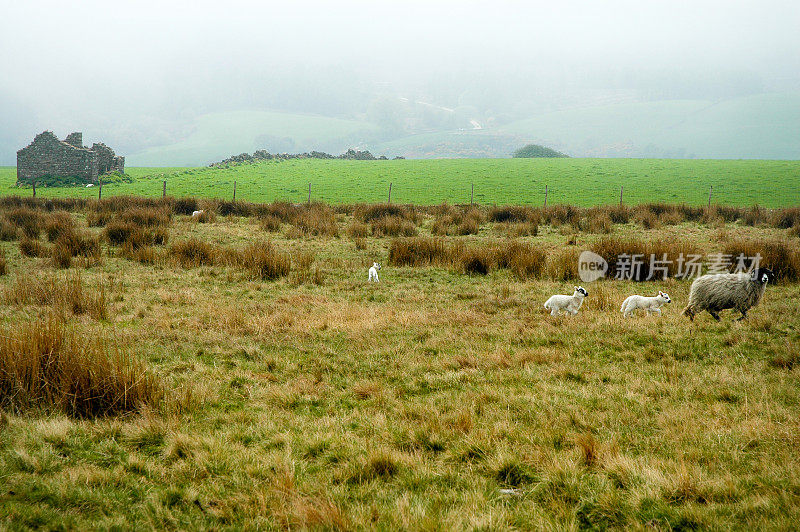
[758,127]
[433,79]
[762,126]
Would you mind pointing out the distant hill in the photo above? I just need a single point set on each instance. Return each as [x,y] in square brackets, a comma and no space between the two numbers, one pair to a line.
[219,135]
[760,127]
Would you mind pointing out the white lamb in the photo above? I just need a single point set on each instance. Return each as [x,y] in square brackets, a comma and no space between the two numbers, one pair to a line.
[197,214]
[650,304]
[373,272]
[569,304]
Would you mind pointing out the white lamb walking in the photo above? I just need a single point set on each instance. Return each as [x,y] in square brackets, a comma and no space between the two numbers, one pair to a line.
[569,304]
[373,273]
[650,304]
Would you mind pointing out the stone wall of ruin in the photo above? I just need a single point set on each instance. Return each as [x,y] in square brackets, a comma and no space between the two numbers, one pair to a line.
[75,139]
[48,156]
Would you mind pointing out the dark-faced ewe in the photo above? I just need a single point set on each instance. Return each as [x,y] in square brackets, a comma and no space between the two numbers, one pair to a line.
[738,291]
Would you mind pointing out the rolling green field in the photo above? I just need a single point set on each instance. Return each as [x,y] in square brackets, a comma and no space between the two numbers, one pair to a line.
[584,182]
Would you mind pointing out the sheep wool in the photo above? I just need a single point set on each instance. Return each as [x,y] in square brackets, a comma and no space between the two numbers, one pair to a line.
[738,291]
[568,304]
[649,304]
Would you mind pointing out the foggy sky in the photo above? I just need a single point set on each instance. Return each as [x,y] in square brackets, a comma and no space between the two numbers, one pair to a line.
[107,64]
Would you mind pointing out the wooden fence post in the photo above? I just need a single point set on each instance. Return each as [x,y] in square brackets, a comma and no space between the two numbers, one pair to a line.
[100,189]
[390,194]
[545,196]
[164,190]
[34,188]
[234,191]
[709,196]
[621,188]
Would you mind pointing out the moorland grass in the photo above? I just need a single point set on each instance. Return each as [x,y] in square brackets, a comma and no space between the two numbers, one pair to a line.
[434,399]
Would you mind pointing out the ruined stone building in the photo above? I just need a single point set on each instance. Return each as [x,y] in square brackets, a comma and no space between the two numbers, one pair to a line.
[47,156]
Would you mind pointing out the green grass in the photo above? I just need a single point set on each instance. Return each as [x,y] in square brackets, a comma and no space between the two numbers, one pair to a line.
[584,182]
[433,400]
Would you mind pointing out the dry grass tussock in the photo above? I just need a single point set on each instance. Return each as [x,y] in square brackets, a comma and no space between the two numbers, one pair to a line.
[30,247]
[614,249]
[119,233]
[49,366]
[317,220]
[524,261]
[782,256]
[65,294]
[192,253]
[455,221]
[81,245]
[263,261]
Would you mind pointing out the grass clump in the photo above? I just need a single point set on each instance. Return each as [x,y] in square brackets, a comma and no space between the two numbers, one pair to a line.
[191,253]
[270,223]
[28,220]
[67,294]
[782,256]
[458,222]
[419,251]
[263,261]
[316,220]
[33,248]
[49,366]
[58,225]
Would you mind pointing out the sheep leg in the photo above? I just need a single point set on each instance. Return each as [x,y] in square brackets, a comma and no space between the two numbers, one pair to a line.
[743,316]
[554,312]
[714,314]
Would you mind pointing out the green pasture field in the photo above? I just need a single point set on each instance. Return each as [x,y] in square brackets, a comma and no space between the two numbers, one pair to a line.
[584,182]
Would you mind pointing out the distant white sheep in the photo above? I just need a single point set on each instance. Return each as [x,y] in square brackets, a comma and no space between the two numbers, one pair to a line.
[568,304]
[650,304]
[198,214]
[373,273]
[738,291]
